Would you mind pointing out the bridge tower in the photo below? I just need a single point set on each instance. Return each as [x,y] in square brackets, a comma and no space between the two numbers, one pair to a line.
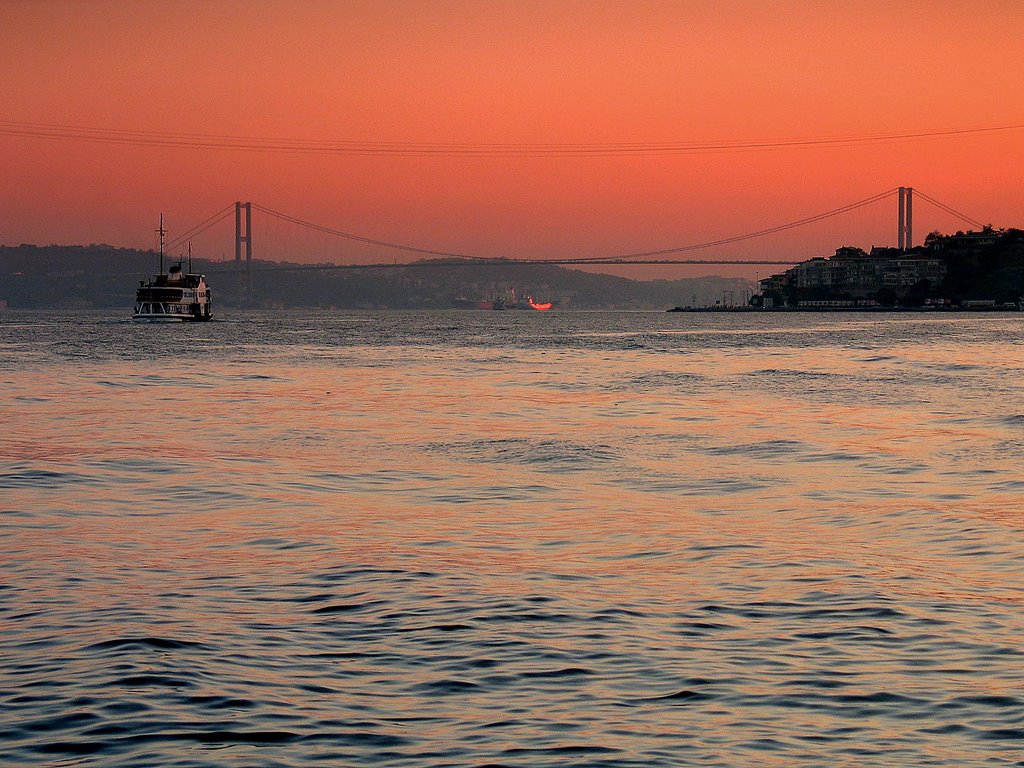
[905,219]
[247,239]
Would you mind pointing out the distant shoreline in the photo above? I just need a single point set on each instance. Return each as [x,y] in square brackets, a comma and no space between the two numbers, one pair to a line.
[873,310]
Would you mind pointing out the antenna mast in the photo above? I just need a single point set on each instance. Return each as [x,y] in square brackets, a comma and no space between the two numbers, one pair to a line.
[161,232]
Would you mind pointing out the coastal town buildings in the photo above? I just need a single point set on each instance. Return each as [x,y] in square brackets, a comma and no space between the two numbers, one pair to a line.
[881,275]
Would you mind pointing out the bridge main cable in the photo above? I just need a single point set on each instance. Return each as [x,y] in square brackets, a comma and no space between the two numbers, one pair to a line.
[749,235]
[947,209]
[622,259]
[367,240]
[198,229]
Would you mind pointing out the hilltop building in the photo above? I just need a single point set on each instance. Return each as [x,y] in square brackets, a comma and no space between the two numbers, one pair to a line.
[854,275]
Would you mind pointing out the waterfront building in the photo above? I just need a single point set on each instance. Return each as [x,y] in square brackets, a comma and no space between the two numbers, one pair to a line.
[852,274]
[902,274]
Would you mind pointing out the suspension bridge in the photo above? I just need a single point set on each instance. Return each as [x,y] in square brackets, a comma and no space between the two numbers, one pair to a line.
[390,255]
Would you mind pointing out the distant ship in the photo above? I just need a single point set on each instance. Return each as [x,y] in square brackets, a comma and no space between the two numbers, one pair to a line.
[174,297]
[509,301]
[524,303]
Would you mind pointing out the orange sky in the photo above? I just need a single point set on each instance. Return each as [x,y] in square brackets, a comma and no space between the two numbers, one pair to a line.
[511,73]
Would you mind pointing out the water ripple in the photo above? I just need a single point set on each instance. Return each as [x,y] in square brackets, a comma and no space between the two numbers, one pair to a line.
[438,539]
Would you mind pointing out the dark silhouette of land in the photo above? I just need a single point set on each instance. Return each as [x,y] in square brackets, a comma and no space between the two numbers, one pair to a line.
[102,276]
[965,269]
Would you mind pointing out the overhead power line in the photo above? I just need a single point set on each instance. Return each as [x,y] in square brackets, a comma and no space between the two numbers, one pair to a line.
[463,149]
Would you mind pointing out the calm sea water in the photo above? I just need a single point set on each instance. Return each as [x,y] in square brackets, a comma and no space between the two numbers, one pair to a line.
[512,539]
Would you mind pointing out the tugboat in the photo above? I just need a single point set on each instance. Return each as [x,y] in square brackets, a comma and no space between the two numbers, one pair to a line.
[174,297]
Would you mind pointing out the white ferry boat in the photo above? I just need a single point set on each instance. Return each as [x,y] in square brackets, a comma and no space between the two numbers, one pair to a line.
[174,297]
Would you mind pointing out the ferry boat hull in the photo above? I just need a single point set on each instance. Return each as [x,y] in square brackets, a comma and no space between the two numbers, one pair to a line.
[152,318]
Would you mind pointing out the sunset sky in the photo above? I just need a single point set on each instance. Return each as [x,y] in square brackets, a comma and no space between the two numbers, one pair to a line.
[484,74]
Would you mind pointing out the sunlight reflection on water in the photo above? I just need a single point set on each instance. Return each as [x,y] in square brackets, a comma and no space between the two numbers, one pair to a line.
[512,538]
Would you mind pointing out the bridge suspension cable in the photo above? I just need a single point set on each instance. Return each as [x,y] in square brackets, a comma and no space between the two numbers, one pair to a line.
[365,240]
[585,260]
[198,229]
[963,217]
[648,257]
[751,235]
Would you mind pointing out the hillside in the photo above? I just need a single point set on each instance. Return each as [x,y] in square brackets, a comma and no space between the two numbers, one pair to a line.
[102,276]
